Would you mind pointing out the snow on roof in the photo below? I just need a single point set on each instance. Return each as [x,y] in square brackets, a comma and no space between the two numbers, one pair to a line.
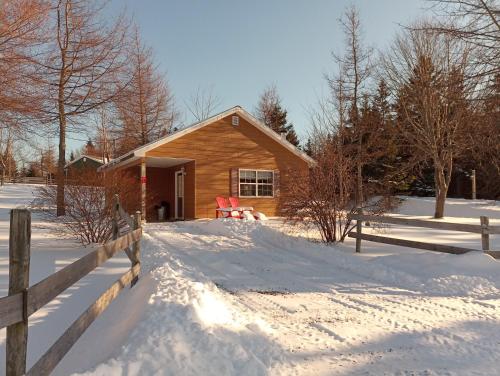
[142,150]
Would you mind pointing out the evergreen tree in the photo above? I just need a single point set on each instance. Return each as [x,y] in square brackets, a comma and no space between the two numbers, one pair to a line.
[271,113]
[308,147]
[90,149]
[383,169]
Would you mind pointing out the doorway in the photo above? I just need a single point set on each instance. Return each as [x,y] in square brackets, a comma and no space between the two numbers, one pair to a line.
[179,195]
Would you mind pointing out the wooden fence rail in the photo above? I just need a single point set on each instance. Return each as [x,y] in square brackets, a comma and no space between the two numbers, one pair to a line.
[47,180]
[483,228]
[24,300]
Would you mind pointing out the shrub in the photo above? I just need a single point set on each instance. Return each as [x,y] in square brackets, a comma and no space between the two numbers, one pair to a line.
[324,195]
[89,199]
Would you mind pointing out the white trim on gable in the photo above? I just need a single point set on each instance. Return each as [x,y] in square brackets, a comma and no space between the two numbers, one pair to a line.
[141,151]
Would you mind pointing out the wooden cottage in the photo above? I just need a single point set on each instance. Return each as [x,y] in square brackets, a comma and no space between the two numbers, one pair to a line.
[81,164]
[229,154]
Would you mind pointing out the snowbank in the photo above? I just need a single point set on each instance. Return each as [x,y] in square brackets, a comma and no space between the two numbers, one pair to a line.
[190,327]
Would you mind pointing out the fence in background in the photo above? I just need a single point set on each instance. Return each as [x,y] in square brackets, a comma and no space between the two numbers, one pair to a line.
[47,180]
[24,300]
[484,228]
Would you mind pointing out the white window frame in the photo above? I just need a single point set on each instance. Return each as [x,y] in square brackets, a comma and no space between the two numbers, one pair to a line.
[256,183]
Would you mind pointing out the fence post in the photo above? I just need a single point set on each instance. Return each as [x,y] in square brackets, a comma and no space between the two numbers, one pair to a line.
[114,222]
[473,181]
[485,234]
[19,270]
[136,247]
[359,224]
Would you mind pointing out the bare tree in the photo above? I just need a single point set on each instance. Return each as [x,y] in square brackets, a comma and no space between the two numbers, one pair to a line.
[268,101]
[6,153]
[21,30]
[354,73]
[105,144]
[427,73]
[324,195]
[81,64]
[477,23]
[146,109]
[203,103]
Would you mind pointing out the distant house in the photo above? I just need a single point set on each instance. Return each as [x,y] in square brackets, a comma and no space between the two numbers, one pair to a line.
[82,163]
[229,154]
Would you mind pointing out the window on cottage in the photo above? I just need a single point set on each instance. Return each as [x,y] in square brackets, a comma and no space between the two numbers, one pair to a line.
[256,183]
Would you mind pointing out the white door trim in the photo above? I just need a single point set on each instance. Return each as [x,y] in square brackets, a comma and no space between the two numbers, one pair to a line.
[176,216]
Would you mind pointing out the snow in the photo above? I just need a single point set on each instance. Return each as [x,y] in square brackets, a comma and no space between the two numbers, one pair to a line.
[49,253]
[236,297]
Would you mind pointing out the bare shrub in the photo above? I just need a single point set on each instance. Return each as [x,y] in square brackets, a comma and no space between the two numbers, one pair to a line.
[88,203]
[325,195]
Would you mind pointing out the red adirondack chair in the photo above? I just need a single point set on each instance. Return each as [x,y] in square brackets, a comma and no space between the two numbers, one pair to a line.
[223,207]
[235,205]
[234,202]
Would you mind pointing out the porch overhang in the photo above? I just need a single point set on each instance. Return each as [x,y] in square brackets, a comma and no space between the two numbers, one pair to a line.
[132,159]
[165,162]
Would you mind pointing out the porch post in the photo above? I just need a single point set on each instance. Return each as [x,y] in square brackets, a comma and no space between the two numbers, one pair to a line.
[143,189]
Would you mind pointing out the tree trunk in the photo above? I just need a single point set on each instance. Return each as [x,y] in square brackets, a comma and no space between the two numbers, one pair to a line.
[441,187]
[359,185]
[61,209]
[359,165]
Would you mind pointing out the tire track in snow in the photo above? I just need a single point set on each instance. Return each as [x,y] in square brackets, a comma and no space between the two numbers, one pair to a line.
[396,316]
[436,308]
[297,336]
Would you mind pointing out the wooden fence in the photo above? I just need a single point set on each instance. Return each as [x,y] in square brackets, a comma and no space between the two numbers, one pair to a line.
[483,228]
[24,300]
[47,180]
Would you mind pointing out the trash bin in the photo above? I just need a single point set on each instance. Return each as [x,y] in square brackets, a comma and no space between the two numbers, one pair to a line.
[161,213]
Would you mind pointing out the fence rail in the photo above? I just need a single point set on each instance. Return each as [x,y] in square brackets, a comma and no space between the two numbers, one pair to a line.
[484,228]
[47,180]
[24,300]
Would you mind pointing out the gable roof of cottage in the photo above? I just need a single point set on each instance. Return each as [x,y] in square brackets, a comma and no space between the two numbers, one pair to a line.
[237,110]
[84,157]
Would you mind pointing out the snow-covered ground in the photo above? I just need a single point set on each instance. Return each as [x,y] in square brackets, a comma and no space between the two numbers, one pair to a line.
[226,297]
[49,253]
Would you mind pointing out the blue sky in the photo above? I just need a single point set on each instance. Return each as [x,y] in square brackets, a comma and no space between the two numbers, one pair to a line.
[240,47]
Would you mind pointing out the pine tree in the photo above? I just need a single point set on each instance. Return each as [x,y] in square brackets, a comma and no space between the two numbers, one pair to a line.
[271,113]
[386,168]
[90,149]
[308,147]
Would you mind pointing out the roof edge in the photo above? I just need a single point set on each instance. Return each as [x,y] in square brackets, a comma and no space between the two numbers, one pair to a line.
[142,150]
[95,159]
